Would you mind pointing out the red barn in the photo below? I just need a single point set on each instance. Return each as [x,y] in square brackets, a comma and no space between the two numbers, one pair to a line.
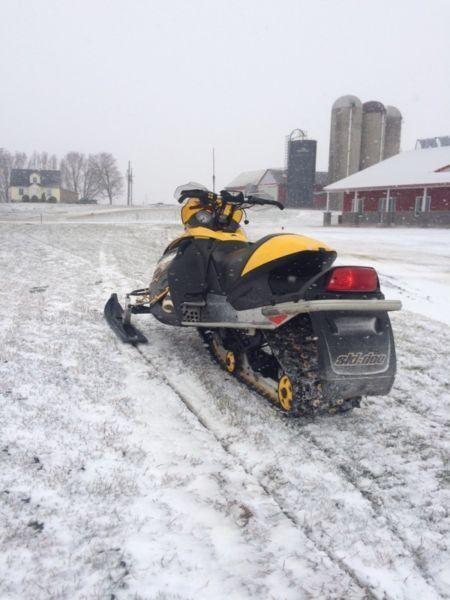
[410,188]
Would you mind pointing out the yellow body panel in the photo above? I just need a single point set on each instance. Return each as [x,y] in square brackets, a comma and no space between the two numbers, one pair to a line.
[279,246]
[189,209]
[221,236]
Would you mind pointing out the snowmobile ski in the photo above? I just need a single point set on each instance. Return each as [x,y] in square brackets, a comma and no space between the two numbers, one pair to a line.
[119,321]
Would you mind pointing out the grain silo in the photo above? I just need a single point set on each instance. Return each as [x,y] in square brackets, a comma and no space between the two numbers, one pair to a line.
[372,134]
[345,137]
[301,170]
[393,131]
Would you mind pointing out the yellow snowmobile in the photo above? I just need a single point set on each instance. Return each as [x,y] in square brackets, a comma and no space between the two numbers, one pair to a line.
[275,313]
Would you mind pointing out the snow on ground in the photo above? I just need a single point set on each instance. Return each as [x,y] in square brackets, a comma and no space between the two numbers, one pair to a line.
[152,474]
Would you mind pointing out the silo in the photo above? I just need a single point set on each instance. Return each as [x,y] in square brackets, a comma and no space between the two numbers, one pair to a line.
[372,134]
[301,170]
[393,131]
[345,137]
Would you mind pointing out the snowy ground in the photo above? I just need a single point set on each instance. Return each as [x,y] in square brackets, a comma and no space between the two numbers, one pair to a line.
[150,473]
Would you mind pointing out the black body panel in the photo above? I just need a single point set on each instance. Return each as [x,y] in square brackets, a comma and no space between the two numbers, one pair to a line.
[281,280]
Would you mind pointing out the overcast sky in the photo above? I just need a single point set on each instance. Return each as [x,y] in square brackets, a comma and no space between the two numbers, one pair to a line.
[161,82]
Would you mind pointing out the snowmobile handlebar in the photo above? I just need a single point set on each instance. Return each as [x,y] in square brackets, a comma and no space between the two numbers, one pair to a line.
[238,199]
[263,201]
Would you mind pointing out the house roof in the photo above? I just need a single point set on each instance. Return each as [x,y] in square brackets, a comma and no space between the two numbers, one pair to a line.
[21,177]
[414,168]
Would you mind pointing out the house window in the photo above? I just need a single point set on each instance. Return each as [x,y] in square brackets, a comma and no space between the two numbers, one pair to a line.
[386,206]
[357,205]
[20,191]
[49,193]
[419,204]
[34,180]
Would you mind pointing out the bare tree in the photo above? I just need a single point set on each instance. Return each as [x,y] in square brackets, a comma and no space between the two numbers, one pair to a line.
[79,175]
[53,162]
[91,185]
[34,162]
[72,171]
[42,160]
[107,175]
[19,160]
[9,161]
[5,171]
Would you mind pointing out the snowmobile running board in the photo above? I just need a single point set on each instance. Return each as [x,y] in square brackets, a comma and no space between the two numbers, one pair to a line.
[119,321]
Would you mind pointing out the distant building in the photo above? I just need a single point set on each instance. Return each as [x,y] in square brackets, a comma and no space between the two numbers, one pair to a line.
[433,142]
[35,185]
[271,182]
[410,188]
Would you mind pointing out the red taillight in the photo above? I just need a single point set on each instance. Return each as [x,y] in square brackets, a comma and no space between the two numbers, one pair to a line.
[353,279]
[277,319]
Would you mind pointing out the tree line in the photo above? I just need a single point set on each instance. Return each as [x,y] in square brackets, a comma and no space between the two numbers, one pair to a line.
[91,176]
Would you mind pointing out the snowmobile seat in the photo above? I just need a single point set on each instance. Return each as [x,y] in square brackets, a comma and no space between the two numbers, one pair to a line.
[231,257]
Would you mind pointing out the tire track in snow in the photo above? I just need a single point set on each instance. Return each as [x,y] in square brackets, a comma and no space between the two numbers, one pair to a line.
[190,406]
[278,494]
[220,439]
[344,473]
[346,468]
[237,459]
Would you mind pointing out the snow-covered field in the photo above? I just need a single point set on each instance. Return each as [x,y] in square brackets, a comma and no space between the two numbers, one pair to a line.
[150,474]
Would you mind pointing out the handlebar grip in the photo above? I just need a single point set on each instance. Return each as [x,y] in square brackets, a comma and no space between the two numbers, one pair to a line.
[202,195]
[198,194]
[263,201]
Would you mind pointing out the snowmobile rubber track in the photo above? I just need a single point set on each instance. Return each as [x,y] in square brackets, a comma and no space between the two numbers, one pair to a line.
[295,348]
[114,313]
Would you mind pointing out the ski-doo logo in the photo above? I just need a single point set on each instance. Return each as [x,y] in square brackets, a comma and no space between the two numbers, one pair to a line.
[354,359]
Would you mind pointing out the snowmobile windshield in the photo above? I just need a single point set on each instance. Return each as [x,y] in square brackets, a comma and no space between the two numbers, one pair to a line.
[186,187]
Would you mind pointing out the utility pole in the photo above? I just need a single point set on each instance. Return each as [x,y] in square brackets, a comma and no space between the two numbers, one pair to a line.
[214,169]
[129,185]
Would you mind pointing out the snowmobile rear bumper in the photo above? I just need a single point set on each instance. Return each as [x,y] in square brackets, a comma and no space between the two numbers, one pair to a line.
[119,321]
[309,306]
[219,313]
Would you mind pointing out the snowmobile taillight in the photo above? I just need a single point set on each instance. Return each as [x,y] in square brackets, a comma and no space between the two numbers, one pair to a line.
[277,319]
[353,279]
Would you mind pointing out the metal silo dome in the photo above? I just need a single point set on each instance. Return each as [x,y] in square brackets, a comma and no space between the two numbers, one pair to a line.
[393,112]
[346,102]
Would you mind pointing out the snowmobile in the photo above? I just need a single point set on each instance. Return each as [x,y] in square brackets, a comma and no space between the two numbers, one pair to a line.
[309,336]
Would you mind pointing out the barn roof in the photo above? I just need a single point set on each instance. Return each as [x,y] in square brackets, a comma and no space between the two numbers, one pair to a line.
[414,168]
[247,178]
